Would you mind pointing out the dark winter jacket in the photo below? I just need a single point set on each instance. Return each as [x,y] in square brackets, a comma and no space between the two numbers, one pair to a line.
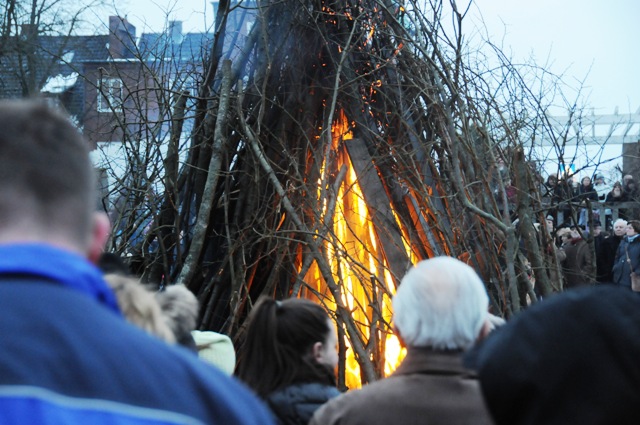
[606,255]
[578,266]
[68,356]
[587,192]
[295,404]
[621,268]
[571,359]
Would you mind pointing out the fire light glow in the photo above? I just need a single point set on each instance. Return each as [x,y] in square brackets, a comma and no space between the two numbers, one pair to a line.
[358,266]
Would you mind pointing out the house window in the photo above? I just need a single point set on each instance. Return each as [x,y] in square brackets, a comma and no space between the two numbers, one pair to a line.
[109,94]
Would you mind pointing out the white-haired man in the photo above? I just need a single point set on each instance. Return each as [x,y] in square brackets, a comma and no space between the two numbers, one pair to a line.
[607,253]
[68,356]
[440,310]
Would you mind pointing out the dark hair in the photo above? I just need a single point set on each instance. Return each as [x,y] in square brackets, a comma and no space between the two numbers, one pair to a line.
[46,177]
[111,263]
[635,224]
[278,345]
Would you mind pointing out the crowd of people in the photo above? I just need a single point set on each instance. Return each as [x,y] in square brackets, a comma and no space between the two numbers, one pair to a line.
[83,344]
[567,198]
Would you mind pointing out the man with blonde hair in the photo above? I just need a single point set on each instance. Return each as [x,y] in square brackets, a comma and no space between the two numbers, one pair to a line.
[440,310]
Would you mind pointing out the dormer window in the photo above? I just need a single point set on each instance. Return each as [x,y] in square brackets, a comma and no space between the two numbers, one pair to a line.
[110,94]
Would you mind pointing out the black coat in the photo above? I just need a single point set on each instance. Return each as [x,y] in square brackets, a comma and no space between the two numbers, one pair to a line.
[587,192]
[570,359]
[621,268]
[605,257]
[296,404]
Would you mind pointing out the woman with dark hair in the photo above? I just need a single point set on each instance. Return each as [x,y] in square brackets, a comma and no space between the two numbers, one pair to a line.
[616,196]
[289,357]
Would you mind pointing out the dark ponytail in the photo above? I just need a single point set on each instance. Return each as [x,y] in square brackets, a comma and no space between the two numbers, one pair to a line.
[278,345]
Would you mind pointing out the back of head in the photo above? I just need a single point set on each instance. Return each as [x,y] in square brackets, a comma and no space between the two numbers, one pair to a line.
[441,303]
[46,177]
[570,359]
[277,348]
[180,309]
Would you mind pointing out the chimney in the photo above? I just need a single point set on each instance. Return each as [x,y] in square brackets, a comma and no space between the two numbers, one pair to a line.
[122,38]
[28,30]
[175,32]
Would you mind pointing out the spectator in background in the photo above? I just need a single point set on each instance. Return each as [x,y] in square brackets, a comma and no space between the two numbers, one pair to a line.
[565,195]
[607,253]
[627,256]
[629,187]
[601,186]
[633,195]
[578,265]
[586,190]
[68,355]
[439,311]
[586,194]
[551,196]
[617,196]
[289,357]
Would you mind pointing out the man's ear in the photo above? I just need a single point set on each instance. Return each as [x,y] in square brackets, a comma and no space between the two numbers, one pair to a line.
[99,236]
[487,327]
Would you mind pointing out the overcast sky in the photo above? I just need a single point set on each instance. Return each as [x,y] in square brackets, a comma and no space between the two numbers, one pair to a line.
[593,41]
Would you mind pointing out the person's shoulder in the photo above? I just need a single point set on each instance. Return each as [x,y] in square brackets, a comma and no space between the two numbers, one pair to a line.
[354,403]
[313,391]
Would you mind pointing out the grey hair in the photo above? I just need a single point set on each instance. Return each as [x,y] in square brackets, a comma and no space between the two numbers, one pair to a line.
[441,303]
[620,220]
[180,308]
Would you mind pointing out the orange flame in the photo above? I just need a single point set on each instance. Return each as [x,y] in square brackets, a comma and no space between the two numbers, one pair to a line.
[358,264]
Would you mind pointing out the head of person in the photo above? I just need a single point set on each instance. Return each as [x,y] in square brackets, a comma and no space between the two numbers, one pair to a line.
[552,180]
[599,179]
[180,309]
[442,304]
[586,181]
[563,234]
[549,222]
[620,227]
[633,227]
[287,342]
[597,228]
[626,178]
[616,190]
[47,182]
[555,362]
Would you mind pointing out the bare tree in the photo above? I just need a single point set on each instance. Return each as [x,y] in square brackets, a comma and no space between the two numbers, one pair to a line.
[326,150]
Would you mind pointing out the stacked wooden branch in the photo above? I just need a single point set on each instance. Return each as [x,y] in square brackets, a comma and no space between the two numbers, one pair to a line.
[253,210]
